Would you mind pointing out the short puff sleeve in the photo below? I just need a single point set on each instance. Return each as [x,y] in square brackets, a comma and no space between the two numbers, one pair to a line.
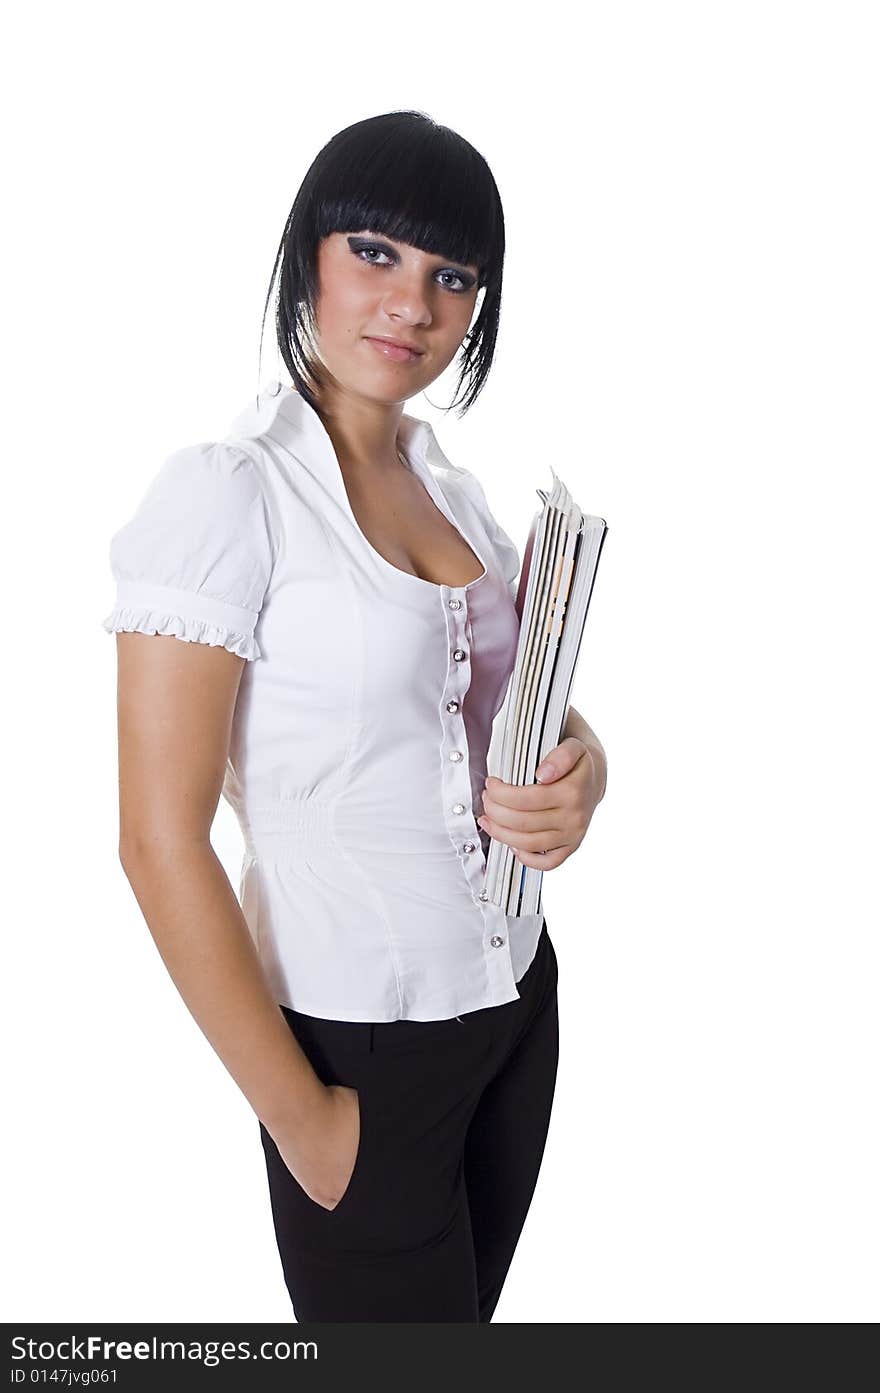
[196,558]
[505,550]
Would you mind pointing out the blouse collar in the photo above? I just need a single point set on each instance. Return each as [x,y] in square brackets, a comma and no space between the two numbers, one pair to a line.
[284,414]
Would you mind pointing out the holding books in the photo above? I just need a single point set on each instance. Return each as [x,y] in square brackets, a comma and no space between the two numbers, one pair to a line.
[556,582]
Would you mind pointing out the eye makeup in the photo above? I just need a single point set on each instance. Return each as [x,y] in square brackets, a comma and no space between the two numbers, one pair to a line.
[375,248]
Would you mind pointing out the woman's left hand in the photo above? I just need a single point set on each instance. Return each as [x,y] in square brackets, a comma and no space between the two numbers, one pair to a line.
[545,822]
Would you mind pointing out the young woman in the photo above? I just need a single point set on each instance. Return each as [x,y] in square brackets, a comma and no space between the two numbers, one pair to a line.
[343,604]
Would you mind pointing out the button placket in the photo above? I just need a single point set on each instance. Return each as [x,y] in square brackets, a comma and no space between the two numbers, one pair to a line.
[458,795]
[456,771]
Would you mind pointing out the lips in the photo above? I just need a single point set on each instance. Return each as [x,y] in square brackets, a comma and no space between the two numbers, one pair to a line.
[393,350]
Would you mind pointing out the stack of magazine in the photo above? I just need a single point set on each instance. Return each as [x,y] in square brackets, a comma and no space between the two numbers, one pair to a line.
[555,585]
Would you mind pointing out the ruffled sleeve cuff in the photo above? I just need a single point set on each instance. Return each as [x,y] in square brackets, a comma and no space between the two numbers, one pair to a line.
[195,618]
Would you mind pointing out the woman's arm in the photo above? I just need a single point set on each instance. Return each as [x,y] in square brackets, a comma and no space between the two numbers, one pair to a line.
[175,703]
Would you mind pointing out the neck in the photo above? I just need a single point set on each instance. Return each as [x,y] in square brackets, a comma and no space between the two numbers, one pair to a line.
[364,433]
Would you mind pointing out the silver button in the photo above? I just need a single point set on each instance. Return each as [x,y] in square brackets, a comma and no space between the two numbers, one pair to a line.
[455,604]
[459,654]
[458,807]
[469,847]
[455,756]
[452,706]
[484,894]
[496,940]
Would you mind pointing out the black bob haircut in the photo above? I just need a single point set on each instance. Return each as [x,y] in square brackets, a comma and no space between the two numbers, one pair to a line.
[403,175]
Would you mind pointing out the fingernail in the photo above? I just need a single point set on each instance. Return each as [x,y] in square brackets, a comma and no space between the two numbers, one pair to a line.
[545,771]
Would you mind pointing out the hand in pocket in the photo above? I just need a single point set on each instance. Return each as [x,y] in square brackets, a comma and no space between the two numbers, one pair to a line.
[321,1154]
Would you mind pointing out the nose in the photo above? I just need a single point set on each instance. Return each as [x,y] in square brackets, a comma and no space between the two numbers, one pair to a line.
[408,303]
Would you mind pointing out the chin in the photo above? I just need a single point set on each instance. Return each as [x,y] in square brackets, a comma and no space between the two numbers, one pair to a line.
[381,387]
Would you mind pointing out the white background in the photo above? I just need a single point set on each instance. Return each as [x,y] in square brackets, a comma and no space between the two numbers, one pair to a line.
[690,335]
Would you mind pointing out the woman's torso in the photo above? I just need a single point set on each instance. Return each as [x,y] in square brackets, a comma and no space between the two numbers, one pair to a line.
[360,737]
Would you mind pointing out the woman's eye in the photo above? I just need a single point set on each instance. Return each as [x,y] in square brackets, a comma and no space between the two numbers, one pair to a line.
[359,251]
[465,284]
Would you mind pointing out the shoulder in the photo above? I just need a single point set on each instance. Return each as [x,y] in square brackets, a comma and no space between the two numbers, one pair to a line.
[217,472]
[196,557]
[466,482]
[213,488]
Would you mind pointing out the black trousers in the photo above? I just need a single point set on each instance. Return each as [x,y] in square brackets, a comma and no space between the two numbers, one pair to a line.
[454,1117]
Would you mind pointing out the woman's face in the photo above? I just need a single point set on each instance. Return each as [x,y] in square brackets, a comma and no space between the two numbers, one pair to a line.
[369,285]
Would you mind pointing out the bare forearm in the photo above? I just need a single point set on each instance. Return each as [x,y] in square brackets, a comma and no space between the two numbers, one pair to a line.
[576,726]
[200,931]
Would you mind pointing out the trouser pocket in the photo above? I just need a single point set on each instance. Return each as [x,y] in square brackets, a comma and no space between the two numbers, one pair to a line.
[339,1053]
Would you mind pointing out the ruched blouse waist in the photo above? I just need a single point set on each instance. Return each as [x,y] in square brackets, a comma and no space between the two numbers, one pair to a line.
[290,825]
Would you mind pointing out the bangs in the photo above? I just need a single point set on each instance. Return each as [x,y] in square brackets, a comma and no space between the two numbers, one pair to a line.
[417,184]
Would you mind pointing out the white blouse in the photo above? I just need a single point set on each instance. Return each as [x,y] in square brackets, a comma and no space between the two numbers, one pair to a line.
[363,718]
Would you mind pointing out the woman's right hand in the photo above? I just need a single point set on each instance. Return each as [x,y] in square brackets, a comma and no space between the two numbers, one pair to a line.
[321,1154]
